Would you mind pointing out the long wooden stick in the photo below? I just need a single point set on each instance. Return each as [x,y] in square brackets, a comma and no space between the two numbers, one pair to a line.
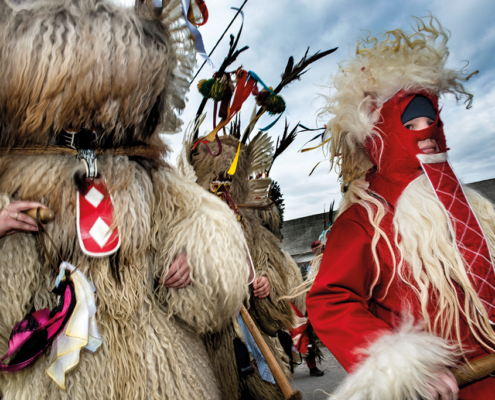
[477,369]
[279,376]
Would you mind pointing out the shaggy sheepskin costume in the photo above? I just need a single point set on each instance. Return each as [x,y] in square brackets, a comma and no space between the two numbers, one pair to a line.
[270,314]
[395,299]
[113,75]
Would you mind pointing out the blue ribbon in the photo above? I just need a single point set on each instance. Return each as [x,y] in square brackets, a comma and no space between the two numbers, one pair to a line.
[271,125]
[258,79]
[263,367]
[198,39]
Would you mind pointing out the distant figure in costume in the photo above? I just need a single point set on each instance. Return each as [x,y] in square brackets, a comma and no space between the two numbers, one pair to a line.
[87,86]
[234,166]
[406,287]
[300,338]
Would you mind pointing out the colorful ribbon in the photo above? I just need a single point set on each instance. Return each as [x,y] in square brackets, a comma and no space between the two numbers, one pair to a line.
[266,128]
[260,81]
[38,330]
[233,166]
[263,368]
[198,39]
[80,332]
[68,328]
[205,142]
[242,91]
[204,12]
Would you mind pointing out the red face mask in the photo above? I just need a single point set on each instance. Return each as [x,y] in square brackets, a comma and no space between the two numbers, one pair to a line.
[393,151]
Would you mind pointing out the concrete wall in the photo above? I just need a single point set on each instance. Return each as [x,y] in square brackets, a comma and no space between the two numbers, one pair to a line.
[301,232]
[486,188]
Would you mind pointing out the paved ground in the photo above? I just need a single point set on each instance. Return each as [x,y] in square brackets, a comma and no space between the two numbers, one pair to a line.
[313,387]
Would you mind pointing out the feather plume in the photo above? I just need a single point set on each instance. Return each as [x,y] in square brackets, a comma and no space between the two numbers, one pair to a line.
[294,72]
[285,142]
[261,148]
[235,127]
[258,191]
[291,73]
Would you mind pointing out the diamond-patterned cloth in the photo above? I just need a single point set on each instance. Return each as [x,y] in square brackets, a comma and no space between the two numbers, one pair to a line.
[94,219]
[470,238]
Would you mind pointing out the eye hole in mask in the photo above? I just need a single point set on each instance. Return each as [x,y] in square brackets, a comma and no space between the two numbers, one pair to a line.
[420,106]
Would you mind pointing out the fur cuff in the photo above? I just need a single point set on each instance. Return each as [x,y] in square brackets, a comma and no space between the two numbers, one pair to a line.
[399,365]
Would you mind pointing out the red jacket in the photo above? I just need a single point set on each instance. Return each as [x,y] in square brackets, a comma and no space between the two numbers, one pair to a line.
[339,307]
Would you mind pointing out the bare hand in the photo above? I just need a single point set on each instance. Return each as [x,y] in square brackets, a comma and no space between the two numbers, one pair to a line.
[13,220]
[449,390]
[178,276]
[261,287]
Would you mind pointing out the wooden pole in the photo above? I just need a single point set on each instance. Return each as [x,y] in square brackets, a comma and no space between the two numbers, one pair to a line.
[477,369]
[279,376]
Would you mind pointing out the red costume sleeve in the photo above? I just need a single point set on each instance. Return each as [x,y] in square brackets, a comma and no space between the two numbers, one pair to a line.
[337,305]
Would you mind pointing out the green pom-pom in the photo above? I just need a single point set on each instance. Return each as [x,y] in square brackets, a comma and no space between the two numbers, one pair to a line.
[217,90]
[275,104]
[204,87]
[212,89]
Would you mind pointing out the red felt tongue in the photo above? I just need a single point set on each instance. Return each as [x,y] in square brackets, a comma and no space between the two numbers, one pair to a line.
[94,219]
[470,238]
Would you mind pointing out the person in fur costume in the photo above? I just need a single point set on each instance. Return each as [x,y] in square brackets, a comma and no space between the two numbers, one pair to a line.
[405,287]
[304,336]
[236,171]
[84,79]
[269,313]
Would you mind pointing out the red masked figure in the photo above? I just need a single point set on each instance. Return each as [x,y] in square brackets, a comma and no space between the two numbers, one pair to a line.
[406,286]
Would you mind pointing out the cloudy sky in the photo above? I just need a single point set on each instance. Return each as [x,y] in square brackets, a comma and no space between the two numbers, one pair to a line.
[277,29]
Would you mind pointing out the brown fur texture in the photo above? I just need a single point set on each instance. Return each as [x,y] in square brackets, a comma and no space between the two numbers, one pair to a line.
[117,73]
[271,313]
[72,65]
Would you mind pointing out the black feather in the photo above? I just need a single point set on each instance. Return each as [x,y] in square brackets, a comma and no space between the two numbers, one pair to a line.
[285,142]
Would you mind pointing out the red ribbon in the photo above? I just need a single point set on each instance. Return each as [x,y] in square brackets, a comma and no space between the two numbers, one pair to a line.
[242,92]
[204,12]
[205,142]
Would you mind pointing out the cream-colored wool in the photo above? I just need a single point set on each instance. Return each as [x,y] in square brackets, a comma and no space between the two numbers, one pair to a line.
[271,313]
[67,64]
[148,351]
[424,235]
[384,65]
[431,263]
[404,364]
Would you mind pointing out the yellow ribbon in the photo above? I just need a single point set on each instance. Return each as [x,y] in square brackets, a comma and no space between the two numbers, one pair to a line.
[223,122]
[233,167]
[313,148]
[253,121]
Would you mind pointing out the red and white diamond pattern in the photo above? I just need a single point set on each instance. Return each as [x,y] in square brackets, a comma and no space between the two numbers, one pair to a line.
[470,239]
[94,219]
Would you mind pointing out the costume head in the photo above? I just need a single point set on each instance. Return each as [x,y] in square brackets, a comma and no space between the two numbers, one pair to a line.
[394,152]
[372,92]
[247,187]
[46,46]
